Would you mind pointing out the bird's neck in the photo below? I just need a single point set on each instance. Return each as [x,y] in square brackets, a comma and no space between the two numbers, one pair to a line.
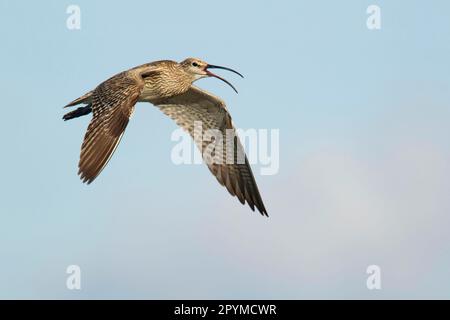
[166,83]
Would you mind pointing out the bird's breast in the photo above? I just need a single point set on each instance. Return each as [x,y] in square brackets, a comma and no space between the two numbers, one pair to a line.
[148,95]
[163,87]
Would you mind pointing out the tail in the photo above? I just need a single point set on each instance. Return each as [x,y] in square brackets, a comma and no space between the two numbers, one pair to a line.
[82,111]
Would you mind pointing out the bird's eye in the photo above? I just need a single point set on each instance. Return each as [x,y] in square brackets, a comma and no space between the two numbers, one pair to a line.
[195,64]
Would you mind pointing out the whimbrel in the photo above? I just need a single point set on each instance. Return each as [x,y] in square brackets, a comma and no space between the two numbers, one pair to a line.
[169,86]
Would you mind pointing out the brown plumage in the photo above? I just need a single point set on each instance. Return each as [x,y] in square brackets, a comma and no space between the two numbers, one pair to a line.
[168,86]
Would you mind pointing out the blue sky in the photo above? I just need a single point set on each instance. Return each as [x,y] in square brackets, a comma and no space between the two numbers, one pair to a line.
[364,155]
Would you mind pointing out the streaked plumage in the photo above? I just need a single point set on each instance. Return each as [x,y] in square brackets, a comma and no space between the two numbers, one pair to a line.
[168,86]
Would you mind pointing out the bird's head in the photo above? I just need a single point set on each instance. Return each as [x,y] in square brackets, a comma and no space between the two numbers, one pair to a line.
[198,69]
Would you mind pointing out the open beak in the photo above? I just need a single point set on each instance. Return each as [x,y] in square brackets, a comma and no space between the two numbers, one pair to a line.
[209,73]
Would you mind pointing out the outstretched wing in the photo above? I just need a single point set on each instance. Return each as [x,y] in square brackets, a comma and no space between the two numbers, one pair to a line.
[112,106]
[197,110]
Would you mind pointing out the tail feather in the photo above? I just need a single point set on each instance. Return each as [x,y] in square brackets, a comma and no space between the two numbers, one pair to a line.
[82,111]
[83,99]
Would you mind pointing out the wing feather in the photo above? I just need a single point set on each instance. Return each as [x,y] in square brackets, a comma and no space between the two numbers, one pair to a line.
[197,105]
[112,106]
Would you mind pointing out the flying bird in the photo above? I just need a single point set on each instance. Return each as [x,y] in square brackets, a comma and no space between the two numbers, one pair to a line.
[168,85]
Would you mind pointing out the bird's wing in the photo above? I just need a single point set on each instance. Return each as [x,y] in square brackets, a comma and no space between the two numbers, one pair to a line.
[112,106]
[228,164]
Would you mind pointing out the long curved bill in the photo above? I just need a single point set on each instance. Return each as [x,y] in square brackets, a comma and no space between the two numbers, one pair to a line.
[211,66]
